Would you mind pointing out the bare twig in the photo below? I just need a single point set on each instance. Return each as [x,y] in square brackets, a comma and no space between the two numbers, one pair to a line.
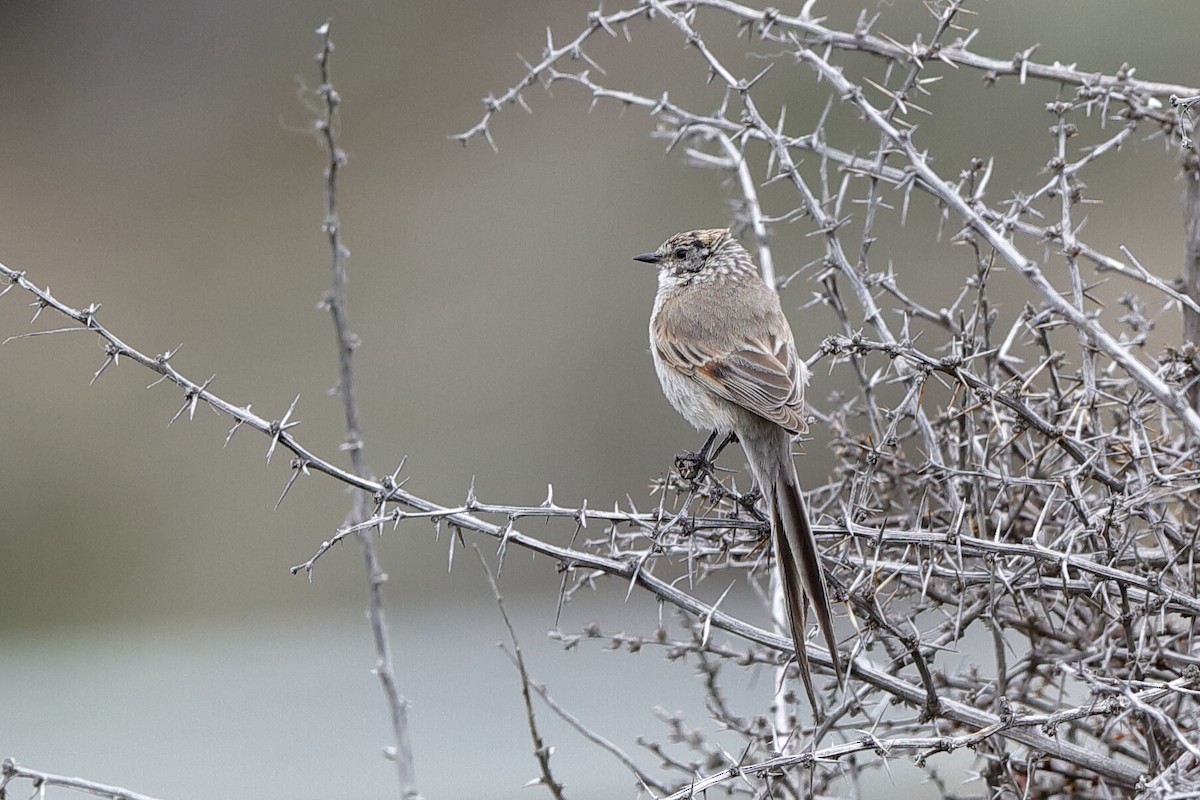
[335,300]
[541,751]
[10,771]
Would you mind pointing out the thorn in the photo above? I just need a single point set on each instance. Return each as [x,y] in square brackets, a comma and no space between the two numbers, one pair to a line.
[278,428]
[562,594]
[598,19]
[708,617]
[745,86]
[400,466]
[636,570]
[236,425]
[41,333]
[113,355]
[196,397]
[298,465]
[190,398]
[40,304]
[505,532]
[13,280]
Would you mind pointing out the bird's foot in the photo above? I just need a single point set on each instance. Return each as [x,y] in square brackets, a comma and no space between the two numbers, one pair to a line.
[692,466]
[749,503]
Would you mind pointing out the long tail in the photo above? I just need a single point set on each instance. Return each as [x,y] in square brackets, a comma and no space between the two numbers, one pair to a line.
[800,571]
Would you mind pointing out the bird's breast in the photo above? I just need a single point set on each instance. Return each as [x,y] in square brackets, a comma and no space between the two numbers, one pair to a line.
[697,405]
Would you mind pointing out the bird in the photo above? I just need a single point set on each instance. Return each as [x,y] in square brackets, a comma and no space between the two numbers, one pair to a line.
[726,358]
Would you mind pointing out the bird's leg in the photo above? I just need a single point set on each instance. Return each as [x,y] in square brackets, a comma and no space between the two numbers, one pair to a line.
[747,500]
[729,439]
[703,461]
[692,466]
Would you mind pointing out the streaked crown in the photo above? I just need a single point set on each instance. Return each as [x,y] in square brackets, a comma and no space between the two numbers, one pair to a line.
[701,255]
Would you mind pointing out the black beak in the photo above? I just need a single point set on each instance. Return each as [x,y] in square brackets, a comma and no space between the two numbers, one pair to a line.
[648,258]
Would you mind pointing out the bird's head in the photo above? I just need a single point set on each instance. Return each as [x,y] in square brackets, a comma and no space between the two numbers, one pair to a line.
[701,254]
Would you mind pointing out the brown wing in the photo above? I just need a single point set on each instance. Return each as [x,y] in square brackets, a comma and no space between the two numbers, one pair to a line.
[761,375]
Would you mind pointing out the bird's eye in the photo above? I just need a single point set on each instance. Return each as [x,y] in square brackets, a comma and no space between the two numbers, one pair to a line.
[681,253]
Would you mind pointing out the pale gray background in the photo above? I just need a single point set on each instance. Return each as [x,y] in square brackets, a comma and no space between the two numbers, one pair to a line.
[154,160]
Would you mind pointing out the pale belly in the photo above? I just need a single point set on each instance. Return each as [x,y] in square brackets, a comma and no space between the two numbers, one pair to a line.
[699,407]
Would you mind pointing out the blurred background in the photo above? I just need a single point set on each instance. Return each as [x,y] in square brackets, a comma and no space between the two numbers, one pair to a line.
[157,161]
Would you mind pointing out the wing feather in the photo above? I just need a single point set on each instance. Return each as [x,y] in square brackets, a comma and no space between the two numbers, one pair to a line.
[763,376]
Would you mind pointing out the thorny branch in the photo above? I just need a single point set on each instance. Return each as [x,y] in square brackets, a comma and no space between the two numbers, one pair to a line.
[335,300]
[922,747]
[1042,501]
[541,750]
[1000,438]
[10,770]
[629,566]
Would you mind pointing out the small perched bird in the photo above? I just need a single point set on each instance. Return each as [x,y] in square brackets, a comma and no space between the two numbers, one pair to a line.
[727,362]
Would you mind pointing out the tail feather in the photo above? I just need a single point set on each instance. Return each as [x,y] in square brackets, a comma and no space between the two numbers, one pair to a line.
[800,570]
[797,608]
